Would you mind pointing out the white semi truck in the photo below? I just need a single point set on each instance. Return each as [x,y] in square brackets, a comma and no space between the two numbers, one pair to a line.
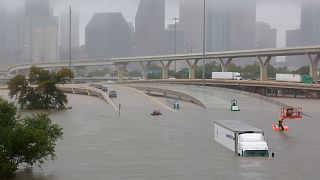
[226,75]
[294,78]
[243,139]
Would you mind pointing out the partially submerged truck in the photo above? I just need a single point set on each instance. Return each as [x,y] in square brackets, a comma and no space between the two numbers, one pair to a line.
[243,139]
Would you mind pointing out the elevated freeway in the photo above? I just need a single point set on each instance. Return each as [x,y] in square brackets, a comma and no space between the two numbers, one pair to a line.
[263,56]
[266,88]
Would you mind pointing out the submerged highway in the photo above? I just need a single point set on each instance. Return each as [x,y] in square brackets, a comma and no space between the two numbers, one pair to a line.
[100,144]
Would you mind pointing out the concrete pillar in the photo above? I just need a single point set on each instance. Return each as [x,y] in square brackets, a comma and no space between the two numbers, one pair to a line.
[165,69]
[264,67]
[121,68]
[314,62]
[145,69]
[79,71]
[192,68]
[225,65]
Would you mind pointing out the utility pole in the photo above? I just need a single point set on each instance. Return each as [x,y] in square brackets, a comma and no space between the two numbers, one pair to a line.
[175,41]
[204,42]
[70,27]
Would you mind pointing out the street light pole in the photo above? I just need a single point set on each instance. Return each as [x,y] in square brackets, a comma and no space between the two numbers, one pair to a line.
[175,42]
[204,42]
[70,37]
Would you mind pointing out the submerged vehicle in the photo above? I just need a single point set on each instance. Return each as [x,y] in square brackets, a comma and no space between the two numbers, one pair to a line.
[243,139]
[234,105]
[156,113]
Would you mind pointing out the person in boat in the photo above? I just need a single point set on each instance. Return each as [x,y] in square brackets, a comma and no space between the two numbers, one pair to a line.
[280,123]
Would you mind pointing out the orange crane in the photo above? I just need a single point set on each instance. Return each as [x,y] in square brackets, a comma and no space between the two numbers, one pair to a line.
[287,113]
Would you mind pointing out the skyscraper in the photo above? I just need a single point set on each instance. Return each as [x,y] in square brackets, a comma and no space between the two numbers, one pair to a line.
[108,35]
[2,33]
[37,8]
[293,39]
[218,26]
[191,23]
[40,32]
[64,30]
[266,37]
[310,24]
[149,37]
[243,23]
[229,25]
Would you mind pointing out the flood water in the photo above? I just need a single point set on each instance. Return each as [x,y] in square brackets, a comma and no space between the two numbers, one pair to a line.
[98,144]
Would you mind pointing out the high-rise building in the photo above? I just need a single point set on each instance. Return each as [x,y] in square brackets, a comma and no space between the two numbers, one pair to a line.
[218,26]
[40,32]
[191,23]
[108,35]
[149,37]
[293,39]
[243,23]
[266,37]
[2,33]
[37,8]
[310,24]
[229,25]
[65,28]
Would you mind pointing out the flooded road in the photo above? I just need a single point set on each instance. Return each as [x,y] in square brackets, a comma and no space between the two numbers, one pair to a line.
[98,144]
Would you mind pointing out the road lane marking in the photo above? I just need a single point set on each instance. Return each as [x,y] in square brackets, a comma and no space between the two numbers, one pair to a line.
[152,99]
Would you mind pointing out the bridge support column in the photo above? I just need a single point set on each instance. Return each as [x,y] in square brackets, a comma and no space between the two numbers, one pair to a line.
[264,67]
[145,69]
[225,65]
[314,62]
[121,68]
[165,69]
[79,71]
[192,68]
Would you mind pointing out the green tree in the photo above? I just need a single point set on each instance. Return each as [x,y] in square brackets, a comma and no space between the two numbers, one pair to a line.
[304,70]
[31,140]
[45,94]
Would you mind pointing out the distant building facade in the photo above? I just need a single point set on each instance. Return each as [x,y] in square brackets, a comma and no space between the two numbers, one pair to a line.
[149,37]
[191,24]
[266,37]
[310,24]
[293,39]
[108,35]
[40,32]
[65,28]
[229,26]
[64,20]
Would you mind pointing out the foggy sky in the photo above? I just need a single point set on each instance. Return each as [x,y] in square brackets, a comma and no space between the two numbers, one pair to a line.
[280,14]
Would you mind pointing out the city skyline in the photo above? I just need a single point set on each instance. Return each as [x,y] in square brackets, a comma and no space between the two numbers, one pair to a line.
[279,19]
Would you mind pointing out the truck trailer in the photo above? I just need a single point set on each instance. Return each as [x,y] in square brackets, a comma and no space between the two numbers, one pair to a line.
[243,139]
[226,75]
[294,78]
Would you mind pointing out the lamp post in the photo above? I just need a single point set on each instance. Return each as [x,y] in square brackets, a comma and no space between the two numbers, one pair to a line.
[175,41]
[70,37]
[204,42]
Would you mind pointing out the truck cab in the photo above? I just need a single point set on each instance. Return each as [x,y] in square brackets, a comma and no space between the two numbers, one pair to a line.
[252,145]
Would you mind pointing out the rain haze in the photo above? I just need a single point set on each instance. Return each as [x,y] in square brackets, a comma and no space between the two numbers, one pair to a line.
[146,89]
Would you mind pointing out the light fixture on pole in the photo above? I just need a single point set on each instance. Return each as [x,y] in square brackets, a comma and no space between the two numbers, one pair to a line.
[70,26]
[204,42]
[175,41]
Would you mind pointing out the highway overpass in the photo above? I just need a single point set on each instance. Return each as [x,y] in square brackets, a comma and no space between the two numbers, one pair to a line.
[263,57]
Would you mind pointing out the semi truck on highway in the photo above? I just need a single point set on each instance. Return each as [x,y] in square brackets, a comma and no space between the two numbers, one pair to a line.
[226,75]
[294,78]
[243,139]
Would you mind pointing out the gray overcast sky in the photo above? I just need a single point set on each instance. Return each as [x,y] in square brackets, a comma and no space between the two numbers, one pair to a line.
[280,14]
